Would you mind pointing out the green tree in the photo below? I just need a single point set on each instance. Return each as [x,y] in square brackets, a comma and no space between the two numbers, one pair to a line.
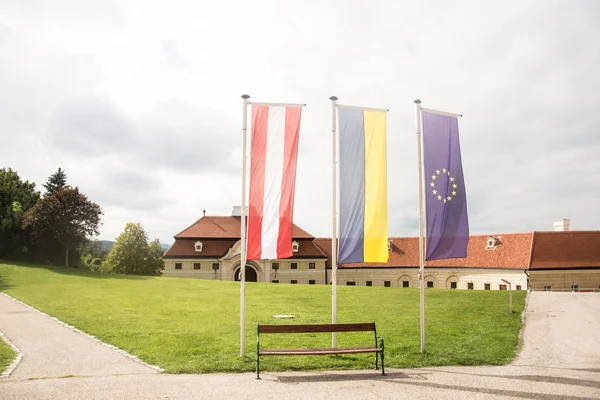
[56,181]
[131,253]
[66,217]
[16,198]
[91,254]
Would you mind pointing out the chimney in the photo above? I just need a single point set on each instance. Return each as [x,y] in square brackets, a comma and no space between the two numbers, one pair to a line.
[563,225]
[237,211]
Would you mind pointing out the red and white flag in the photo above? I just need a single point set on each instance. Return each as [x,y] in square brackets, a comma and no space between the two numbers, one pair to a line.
[273,156]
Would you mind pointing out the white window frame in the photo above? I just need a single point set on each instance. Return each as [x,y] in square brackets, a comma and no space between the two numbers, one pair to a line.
[295,246]
[198,246]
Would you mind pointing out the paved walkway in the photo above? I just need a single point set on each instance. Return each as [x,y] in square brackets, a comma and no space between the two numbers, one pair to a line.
[560,360]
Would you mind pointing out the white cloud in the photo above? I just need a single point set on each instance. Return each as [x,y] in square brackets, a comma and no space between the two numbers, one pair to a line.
[140,101]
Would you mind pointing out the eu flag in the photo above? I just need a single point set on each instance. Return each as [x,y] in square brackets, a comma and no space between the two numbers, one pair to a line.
[445,195]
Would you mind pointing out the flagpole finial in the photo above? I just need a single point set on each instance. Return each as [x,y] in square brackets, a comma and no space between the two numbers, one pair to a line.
[245,96]
[333,98]
[417,101]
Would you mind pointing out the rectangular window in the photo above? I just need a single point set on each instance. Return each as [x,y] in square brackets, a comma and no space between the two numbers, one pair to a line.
[293,281]
[470,286]
[452,285]
[178,266]
[293,265]
[312,282]
[387,284]
[429,284]
[369,283]
[518,287]
[405,284]
[350,283]
[312,265]
[215,266]
[487,286]
[197,265]
[502,287]
[275,281]
[274,265]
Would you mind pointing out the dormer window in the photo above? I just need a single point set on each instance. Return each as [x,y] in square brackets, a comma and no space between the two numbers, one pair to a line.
[390,244]
[198,246]
[295,246]
[492,242]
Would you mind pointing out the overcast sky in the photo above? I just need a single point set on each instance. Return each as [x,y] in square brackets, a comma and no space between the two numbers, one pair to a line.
[139,101]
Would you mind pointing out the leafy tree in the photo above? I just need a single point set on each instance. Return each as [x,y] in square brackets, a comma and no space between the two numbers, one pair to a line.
[56,181]
[91,254]
[16,198]
[131,254]
[66,217]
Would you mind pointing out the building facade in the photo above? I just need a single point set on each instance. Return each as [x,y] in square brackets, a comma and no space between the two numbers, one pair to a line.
[566,260]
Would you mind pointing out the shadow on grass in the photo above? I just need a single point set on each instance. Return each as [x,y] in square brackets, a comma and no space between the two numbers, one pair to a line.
[81,272]
[4,284]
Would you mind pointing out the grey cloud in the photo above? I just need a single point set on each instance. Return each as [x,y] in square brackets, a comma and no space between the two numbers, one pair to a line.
[126,188]
[91,127]
[190,139]
[126,179]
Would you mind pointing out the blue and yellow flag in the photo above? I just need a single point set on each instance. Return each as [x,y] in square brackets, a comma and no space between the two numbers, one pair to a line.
[363,186]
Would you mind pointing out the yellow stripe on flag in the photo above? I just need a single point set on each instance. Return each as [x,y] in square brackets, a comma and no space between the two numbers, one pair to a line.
[376,210]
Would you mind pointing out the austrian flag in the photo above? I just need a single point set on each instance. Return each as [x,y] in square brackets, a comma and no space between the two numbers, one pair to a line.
[273,156]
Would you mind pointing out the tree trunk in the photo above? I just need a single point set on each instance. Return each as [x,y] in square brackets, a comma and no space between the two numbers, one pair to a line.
[66,256]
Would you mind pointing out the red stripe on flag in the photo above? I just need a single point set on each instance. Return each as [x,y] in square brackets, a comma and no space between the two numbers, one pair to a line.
[288,183]
[260,123]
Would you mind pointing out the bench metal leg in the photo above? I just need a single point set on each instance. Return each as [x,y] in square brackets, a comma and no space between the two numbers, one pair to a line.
[376,361]
[382,366]
[257,366]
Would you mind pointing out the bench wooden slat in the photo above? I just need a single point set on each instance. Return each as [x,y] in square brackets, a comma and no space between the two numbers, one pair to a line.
[319,351]
[370,326]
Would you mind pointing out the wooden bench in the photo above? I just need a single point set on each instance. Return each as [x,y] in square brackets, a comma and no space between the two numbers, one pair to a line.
[377,348]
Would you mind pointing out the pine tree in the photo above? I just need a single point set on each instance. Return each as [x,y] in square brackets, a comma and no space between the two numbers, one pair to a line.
[56,181]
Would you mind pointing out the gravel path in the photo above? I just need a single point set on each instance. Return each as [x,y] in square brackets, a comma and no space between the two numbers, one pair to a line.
[560,360]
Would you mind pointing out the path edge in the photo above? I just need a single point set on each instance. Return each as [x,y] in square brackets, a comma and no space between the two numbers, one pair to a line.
[76,330]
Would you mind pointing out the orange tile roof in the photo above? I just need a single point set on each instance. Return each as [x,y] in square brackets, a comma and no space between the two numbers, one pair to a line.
[566,249]
[512,251]
[225,227]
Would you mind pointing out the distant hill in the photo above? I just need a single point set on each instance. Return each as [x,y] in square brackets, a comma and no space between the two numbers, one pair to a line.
[108,244]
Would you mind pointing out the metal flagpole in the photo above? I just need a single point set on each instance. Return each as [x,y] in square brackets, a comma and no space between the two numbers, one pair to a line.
[334,222]
[243,232]
[421,233]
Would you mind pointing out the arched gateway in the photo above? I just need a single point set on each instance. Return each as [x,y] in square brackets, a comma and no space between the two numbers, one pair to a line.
[251,274]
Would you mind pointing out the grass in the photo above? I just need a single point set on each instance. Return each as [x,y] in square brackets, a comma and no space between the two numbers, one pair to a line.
[192,326]
[7,355]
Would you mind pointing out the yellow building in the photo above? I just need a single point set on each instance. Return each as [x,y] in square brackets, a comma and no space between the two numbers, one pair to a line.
[210,249]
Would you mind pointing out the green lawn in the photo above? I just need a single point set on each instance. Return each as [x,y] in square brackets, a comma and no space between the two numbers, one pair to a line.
[7,355]
[192,326]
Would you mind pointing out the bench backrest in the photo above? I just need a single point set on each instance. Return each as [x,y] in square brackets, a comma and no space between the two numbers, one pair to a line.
[369,326]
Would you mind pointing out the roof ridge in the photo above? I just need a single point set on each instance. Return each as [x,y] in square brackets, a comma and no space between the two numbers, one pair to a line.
[175,237]
[217,225]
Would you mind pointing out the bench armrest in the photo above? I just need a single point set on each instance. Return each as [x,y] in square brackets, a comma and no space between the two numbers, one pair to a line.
[380,338]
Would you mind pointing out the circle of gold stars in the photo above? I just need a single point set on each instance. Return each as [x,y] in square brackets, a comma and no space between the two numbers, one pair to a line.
[452,186]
